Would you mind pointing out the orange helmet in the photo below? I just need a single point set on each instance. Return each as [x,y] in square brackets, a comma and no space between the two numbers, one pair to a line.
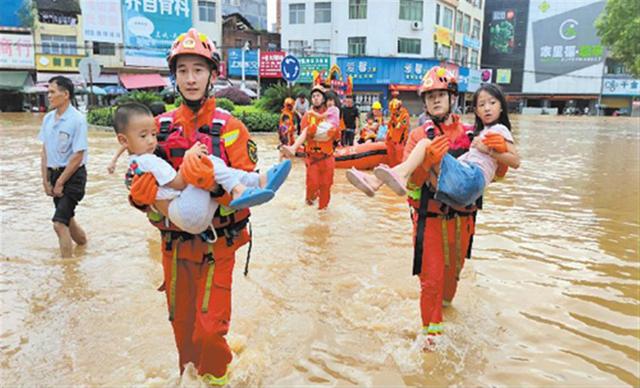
[193,43]
[319,88]
[289,101]
[395,104]
[438,78]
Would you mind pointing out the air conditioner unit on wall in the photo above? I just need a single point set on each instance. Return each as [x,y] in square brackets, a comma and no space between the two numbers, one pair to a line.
[417,26]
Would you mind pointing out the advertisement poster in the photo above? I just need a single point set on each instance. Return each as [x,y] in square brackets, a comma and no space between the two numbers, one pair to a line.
[102,20]
[502,32]
[566,42]
[503,76]
[150,26]
[234,61]
[16,51]
[270,62]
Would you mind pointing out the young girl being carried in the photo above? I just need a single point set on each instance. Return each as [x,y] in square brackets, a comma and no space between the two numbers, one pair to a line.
[457,182]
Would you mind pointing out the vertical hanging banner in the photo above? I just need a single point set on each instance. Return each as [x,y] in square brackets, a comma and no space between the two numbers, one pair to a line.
[102,20]
[150,26]
[270,62]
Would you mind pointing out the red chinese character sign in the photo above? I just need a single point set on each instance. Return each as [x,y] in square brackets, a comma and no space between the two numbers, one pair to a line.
[270,62]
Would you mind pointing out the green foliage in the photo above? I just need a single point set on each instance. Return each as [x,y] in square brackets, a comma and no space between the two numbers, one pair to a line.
[101,116]
[273,98]
[258,121]
[146,98]
[225,104]
[619,29]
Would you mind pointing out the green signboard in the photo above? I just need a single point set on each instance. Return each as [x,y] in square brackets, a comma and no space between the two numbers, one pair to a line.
[309,64]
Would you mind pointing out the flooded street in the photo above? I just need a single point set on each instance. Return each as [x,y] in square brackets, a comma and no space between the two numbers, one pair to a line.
[550,298]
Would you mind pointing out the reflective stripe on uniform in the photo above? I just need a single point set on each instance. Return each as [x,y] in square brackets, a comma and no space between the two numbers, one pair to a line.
[207,288]
[445,241]
[212,380]
[174,276]
[458,238]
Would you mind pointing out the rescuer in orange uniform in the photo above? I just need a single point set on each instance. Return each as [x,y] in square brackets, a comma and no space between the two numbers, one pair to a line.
[318,135]
[397,132]
[198,268]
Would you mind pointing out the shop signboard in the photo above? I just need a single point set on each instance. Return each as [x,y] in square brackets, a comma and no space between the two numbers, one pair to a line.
[102,20]
[621,87]
[309,64]
[150,27]
[234,67]
[375,71]
[563,48]
[16,51]
[270,62]
[58,62]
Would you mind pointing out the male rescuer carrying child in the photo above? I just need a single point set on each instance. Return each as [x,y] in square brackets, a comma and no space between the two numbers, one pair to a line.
[198,271]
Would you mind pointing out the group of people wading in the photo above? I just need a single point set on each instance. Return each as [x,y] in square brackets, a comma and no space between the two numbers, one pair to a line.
[205,147]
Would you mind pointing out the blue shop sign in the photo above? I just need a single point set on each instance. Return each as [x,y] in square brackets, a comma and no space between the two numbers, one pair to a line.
[376,71]
[463,79]
[470,42]
[235,62]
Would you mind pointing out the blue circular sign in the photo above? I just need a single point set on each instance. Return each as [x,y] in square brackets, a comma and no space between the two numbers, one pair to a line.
[290,67]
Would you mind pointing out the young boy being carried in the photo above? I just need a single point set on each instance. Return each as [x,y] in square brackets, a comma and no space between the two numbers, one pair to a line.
[187,206]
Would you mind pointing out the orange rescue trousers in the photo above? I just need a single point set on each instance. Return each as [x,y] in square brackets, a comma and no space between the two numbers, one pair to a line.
[395,153]
[441,262]
[320,170]
[198,292]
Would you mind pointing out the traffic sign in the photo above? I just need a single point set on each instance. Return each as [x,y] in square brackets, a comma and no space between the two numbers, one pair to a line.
[89,68]
[290,68]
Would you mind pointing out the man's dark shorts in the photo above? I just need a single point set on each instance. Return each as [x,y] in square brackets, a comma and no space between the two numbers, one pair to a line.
[73,192]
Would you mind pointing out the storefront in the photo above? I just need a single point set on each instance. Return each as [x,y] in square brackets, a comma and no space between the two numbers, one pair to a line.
[374,78]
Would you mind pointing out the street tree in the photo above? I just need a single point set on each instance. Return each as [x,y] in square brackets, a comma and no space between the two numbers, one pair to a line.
[619,29]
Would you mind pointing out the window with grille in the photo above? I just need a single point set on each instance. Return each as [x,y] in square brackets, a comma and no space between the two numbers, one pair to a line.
[459,16]
[322,13]
[475,32]
[466,25]
[408,46]
[59,44]
[296,13]
[411,10]
[321,46]
[103,48]
[357,9]
[447,18]
[357,45]
[207,11]
[296,47]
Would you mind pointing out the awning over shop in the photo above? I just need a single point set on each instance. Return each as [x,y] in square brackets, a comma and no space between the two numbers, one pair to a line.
[45,77]
[139,81]
[106,79]
[13,80]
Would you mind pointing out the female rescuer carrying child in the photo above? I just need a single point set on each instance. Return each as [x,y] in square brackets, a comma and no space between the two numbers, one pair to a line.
[319,131]
[442,233]
[198,271]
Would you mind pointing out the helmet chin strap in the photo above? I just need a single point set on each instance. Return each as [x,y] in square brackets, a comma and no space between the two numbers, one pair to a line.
[439,120]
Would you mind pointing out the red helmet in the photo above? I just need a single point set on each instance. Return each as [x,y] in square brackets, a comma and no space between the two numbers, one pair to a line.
[438,78]
[193,43]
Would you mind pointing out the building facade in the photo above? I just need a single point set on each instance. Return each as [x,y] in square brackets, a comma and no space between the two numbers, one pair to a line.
[255,11]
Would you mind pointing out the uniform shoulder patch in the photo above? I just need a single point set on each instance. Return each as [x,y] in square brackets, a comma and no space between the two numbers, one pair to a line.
[252,151]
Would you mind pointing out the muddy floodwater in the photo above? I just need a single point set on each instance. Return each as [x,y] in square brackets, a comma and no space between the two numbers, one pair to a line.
[550,298]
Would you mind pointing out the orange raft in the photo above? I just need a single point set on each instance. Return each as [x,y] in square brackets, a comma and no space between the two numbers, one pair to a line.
[361,156]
